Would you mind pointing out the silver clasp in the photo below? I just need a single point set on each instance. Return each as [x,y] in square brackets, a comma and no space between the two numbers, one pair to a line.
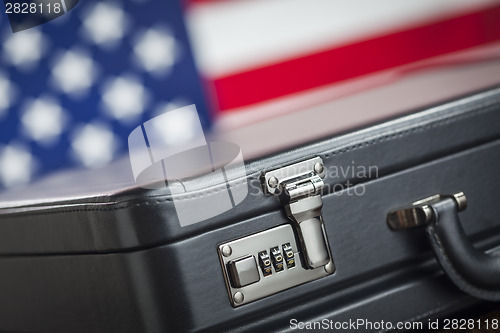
[299,188]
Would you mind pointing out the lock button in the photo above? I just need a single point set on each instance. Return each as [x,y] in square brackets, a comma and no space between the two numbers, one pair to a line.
[243,271]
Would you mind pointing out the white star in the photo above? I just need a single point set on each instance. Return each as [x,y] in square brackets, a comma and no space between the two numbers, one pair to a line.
[124,98]
[155,50]
[7,94]
[16,166]
[178,127]
[74,72]
[105,24]
[43,120]
[24,49]
[94,145]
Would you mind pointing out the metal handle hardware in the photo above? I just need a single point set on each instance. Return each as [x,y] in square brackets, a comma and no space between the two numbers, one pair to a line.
[299,188]
[421,213]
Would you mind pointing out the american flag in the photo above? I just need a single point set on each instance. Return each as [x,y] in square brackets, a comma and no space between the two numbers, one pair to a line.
[72,90]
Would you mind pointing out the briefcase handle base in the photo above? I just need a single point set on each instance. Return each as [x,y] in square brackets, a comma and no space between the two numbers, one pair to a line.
[474,272]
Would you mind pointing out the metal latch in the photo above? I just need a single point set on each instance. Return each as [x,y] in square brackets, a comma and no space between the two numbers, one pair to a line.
[285,256]
[299,188]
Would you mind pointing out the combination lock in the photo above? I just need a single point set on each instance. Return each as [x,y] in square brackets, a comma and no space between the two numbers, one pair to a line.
[263,264]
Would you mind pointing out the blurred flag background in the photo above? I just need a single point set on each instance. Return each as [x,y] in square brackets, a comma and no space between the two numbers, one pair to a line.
[72,90]
[256,55]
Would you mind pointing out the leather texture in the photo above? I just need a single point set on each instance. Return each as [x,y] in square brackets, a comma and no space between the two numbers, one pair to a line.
[179,286]
[120,262]
[475,272]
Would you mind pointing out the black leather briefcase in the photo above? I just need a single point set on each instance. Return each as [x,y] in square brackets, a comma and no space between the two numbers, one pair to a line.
[394,223]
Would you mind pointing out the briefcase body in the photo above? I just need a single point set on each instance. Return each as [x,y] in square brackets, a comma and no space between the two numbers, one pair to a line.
[331,233]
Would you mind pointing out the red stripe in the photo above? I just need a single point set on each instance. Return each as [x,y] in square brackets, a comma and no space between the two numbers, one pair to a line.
[339,64]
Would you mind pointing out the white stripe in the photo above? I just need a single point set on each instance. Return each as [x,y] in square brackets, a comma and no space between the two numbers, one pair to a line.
[230,36]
